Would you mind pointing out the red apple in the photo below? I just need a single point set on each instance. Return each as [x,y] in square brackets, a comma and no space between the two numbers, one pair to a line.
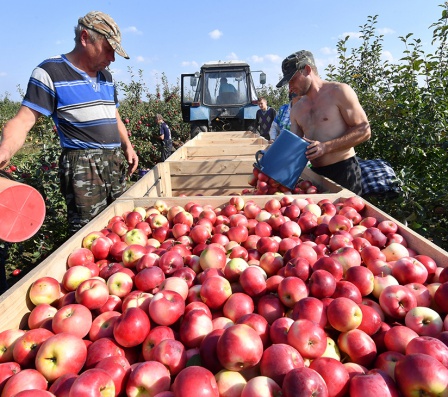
[187,381]
[166,307]
[308,338]
[344,314]
[118,368]
[421,374]
[291,290]
[397,338]
[278,331]
[61,386]
[103,325]
[61,354]
[93,293]
[26,347]
[397,300]
[80,256]
[371,320]
[270,307]
[358,346]
[148,377]
[155,336]
[321,284]
[45,290]
[424,320]
[75,319]
[239,347]
[409,270]
[215,291]
[278,359]
[39,314]
[310,308]
[195,325]
[132,327]
[334,373]
[93,382]
[172,354]
[362,277]
[253,281]
[304,382]
[26,379]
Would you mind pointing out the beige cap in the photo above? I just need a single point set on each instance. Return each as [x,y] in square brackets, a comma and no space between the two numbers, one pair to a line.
[106,26]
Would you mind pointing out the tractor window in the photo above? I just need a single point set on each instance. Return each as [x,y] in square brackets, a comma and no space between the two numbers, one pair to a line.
[225,88]
[189,88]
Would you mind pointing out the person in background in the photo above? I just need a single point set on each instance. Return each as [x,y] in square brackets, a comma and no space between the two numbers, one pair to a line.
[78,92]
[264,118]
[329,117]
[224,86]
[165,137]
[282,120]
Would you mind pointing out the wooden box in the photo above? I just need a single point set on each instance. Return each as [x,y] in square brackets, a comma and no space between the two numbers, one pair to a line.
[15,305]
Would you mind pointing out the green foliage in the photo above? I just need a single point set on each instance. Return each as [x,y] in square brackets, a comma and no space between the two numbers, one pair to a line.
[138,111]
[406,104]
[275,97]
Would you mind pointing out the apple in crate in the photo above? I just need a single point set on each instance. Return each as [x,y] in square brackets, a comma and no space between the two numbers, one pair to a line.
[45,290]
[61,354]
[186,383]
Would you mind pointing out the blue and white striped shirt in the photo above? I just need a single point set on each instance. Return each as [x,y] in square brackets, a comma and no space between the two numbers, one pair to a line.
[82,107]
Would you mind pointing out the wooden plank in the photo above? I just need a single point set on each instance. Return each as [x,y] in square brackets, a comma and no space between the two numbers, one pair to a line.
[221,151]
[227,141]
[227,134]
[220,166]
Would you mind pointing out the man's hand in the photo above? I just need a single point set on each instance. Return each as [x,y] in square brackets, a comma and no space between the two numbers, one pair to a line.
[132,159]
[5,157]
[314,150]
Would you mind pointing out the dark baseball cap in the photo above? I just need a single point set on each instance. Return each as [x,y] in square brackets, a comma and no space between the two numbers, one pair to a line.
[106,26]
[293,63]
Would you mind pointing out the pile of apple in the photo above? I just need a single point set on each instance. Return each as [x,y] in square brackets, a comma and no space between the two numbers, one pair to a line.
[263,184]
[290,298]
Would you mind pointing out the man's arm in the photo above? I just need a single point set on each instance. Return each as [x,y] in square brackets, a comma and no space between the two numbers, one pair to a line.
[274,131]
[126,145]
[15,132]
[355,118]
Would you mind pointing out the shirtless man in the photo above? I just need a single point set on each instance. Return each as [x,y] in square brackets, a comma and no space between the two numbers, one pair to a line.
[329,117]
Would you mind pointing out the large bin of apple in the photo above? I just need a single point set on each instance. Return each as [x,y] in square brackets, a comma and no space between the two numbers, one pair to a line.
[221,177]
[231,296]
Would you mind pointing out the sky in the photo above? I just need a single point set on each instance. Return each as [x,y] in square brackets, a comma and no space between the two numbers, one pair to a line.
[177,36]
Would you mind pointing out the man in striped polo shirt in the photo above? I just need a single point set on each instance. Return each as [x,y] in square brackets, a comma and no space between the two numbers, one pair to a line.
[78,92]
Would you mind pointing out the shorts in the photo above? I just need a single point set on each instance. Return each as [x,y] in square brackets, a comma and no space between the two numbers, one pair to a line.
[90,180]
[346,173]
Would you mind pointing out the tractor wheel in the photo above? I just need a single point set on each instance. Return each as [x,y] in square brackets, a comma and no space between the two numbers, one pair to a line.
[196,129]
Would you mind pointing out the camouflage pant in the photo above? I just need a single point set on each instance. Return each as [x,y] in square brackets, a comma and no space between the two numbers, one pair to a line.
[90,180]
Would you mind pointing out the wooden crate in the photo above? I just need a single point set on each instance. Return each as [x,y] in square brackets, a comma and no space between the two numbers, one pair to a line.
[209,178]
[15,305]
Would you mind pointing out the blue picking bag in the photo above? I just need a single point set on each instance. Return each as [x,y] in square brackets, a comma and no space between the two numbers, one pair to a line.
[284,161]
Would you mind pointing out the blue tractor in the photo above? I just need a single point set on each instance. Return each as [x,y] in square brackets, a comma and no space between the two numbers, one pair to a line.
[221,97]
